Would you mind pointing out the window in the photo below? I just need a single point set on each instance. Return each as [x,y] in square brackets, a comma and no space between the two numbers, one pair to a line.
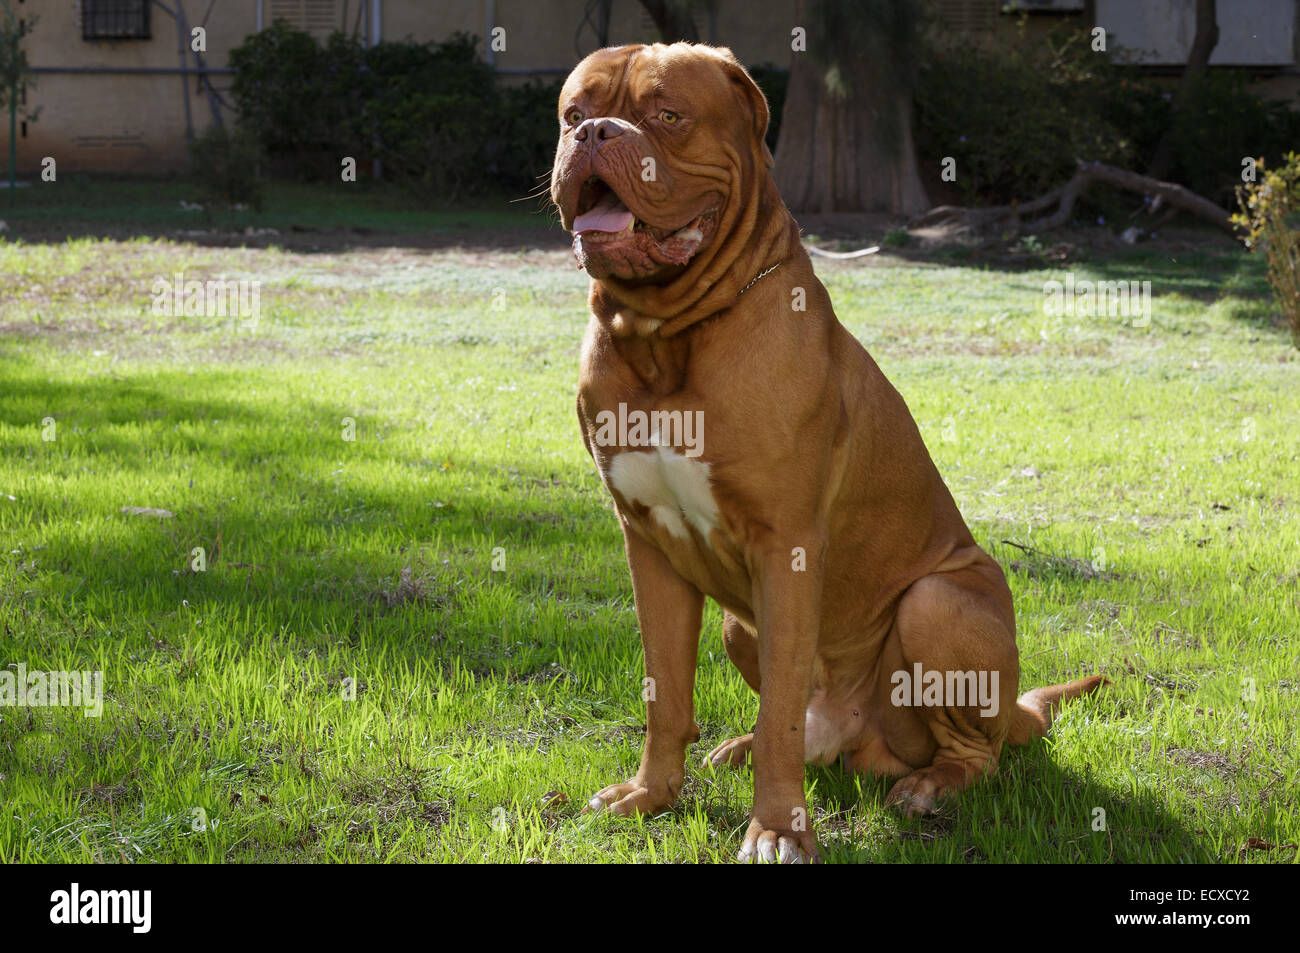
[115,19]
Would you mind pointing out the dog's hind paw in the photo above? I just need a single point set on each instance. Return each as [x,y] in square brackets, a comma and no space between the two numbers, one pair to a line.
[920,792]
[631,797]
[733,752]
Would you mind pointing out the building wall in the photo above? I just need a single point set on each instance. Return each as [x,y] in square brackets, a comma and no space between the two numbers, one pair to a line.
[120,122]
[136,123]
[93,119]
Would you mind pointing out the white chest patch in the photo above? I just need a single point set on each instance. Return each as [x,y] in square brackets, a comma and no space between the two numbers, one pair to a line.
[674,487]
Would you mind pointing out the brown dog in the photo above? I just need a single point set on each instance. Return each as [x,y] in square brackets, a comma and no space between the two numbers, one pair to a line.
[857,603]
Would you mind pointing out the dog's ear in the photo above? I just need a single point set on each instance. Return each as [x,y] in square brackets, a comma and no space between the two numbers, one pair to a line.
[751,98]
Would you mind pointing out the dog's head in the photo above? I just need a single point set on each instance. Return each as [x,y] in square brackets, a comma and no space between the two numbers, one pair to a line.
[655,143]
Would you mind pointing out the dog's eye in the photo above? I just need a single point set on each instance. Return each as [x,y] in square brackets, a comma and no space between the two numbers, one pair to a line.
[574,116]
[668,116]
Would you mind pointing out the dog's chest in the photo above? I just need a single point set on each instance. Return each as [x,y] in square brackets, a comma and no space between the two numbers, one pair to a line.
[668,492]
[650,446]
[676,502]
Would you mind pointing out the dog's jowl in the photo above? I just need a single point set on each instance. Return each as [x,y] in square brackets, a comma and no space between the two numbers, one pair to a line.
[804,502]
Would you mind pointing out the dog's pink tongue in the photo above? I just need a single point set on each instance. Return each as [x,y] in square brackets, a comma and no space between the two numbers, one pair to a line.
[608,215]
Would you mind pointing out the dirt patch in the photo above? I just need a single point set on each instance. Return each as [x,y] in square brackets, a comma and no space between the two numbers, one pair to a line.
[1209,760]
[408,587]
[390,799]
[124,791]
[1043,565]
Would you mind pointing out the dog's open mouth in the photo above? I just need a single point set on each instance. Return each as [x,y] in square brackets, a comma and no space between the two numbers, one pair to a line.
[609,238]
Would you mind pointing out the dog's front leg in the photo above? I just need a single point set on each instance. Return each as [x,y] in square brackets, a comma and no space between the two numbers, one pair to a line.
[787,603]
[669,610]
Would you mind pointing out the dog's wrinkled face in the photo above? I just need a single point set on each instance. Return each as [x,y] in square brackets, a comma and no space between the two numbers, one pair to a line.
[653,140]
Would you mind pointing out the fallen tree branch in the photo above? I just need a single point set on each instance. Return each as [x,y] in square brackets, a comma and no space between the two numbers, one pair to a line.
[1016,215]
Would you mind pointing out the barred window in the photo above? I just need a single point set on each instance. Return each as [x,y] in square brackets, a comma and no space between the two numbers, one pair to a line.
[115,19]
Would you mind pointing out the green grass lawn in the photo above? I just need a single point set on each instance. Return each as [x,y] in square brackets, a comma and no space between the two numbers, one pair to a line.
[351,679]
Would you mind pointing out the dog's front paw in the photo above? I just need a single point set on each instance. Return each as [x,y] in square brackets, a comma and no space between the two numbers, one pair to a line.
[632,797]
[770,845]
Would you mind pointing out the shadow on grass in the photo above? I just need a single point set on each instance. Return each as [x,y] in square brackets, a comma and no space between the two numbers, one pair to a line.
[306,218]
[1032,808]
[1233,277]
[298,527]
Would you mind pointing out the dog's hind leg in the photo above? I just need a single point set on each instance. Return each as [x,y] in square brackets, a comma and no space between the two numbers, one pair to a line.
[823,728]
[742,649]
[957,631]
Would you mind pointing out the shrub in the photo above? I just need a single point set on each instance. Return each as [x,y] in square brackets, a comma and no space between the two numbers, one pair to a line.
[897,238]
[436,115]
[431,110]
[1016,118]
[1270,216]
[1222,122]
[15,70]
[280,89]
[226,168]
[522,153]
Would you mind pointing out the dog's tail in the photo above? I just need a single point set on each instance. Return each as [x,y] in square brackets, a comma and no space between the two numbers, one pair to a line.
[1035,709]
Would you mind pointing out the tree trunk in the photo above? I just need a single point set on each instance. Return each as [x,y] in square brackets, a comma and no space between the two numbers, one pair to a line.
[1206,39]
[851,153]
[673,20]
